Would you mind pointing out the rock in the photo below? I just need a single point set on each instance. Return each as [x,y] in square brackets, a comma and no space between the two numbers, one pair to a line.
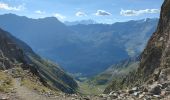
[103,95]
[150,82]
[86,98]
[167,88]
[132,90]
[136,94]
[4,98]
[163,76]
[145,90]
[111,93]
[161,38]
[147,98]
[113,96]
[164,85]
[141,96]
[157,96]
[155,89]
[163,93]
[73,99]
[156,74]
[135,88]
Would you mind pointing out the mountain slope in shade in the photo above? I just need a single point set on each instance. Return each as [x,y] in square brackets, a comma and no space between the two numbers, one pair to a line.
[14,52]
[88,49]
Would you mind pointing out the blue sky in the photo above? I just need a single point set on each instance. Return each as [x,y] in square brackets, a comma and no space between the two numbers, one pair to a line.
[104,11]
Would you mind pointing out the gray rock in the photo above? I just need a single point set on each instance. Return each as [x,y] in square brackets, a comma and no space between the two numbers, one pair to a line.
[136,94]
[86,98]
[155,89]
[135,88]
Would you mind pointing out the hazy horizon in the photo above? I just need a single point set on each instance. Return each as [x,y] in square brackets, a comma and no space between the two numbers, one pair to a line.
[75,10]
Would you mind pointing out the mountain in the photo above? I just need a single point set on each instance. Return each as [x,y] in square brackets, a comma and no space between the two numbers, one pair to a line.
[97,84]
[109,44]
[16,54]
[152,76]
[116,71]
[118,33]
[87,49]
[84,22]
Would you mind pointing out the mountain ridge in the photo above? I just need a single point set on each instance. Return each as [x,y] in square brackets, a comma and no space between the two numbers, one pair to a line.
[96,45]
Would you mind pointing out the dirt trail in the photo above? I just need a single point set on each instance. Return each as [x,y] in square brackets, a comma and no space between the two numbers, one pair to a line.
[27,94]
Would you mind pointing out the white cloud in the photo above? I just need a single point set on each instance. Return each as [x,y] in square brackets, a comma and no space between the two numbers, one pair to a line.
[138,12]
[5,6]
[40,12]
[59,16]
[102,13]
[80,14]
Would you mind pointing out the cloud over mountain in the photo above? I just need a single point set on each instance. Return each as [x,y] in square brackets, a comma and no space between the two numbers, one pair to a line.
[80,14]
[102,13]
[59,16]
[5,6]
[138,12]
[39,12]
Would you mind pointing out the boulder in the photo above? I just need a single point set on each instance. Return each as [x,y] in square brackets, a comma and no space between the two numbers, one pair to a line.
[155,89]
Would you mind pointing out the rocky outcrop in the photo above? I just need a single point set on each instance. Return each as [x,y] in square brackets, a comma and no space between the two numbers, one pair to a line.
[157,52]
[15,53]
[154,65]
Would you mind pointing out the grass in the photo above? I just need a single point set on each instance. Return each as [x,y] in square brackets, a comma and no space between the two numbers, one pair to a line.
[29,80]
[33,85]
[86,88]
[5,82]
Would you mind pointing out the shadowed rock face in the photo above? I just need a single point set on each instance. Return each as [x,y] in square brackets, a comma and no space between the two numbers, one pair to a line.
[14,52]
[10,52]
[157,52]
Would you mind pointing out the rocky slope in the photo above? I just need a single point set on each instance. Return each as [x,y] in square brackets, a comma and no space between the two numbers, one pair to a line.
[152,79]
[156,54]
[15,53]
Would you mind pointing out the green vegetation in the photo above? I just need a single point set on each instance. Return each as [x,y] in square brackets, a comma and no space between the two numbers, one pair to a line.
[34,84]
[17,72]
[86,88]
[5,82]
[114,77]
[111,79]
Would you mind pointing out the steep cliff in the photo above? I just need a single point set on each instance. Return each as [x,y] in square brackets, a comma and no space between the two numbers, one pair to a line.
[155,59]
[157,52]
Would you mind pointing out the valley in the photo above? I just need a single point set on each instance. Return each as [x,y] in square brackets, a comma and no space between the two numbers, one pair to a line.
[84,49]
[49,58]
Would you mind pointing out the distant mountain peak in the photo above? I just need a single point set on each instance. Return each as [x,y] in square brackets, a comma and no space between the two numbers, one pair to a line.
[84,22]
[16,16]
